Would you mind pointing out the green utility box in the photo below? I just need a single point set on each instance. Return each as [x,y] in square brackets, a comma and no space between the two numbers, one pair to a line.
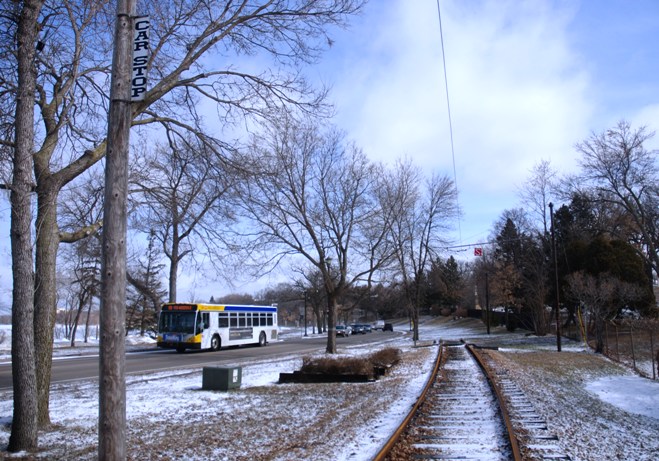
[221,378]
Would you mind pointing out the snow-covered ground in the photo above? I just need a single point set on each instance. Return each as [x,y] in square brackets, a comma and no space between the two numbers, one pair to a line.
[599,409]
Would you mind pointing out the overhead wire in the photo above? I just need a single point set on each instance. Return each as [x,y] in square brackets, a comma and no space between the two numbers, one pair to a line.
[450,122]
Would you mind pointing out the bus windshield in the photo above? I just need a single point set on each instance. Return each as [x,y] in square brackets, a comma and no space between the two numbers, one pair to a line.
[177,322]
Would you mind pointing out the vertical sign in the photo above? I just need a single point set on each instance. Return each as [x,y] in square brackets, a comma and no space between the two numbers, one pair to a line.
[140,58]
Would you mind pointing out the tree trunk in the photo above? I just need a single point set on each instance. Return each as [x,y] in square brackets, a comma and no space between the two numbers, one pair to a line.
[74,327]
[319,318]
[173,270]
[415,322]
[88,319]
[24,433]
[45,292]
[331,323]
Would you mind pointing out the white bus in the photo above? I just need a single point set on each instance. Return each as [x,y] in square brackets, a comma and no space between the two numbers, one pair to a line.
[184,326]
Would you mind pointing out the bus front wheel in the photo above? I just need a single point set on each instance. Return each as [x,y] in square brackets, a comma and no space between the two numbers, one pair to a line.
[262,339]
[216,343]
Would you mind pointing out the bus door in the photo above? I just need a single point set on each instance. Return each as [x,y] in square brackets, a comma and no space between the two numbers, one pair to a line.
[201,328]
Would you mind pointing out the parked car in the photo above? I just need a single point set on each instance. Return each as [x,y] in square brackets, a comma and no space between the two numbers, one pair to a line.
[357,328]
[379,325]
[388,327]
[342,330]
[367,328]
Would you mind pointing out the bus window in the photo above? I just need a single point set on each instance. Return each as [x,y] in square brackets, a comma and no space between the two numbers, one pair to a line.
[269,319]
[177,322]
[241,319]
[249,319]
[233,319]
[223,320]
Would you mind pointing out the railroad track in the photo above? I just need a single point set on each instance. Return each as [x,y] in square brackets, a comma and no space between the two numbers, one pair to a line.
[469,410]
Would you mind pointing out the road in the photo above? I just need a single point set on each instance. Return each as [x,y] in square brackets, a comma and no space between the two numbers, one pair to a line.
[73,368]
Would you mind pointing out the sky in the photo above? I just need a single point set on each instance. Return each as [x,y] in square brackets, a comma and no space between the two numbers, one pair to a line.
[526,81]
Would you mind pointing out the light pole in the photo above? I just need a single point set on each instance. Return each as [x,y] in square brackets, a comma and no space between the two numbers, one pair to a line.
[553,250]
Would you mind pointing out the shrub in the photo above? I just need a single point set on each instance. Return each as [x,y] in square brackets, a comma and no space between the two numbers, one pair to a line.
[385,357]
[351,365]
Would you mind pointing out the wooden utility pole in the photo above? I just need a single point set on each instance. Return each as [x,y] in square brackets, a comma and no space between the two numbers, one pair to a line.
[112,383]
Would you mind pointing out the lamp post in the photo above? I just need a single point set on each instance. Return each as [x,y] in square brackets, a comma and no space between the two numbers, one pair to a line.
[553,250]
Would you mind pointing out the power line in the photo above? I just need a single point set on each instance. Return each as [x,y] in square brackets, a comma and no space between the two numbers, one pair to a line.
[450,123]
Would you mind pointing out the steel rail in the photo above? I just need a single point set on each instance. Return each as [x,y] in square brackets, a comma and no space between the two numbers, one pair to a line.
[512,438]
[386,449]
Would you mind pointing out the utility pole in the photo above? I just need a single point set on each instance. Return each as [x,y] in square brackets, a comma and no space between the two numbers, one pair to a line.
[112,382]
[553,250]
[487,301]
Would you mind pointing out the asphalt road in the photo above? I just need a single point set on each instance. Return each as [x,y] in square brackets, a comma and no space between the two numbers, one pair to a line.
[74,368]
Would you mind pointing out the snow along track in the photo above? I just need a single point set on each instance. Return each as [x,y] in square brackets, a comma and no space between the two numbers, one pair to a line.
[460,416]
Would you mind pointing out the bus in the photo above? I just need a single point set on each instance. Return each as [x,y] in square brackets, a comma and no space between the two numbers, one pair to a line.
[197,326]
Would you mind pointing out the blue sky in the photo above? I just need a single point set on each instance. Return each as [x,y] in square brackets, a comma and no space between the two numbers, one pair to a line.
[527,80]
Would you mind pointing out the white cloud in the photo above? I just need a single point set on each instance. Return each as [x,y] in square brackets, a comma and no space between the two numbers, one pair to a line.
[518,93]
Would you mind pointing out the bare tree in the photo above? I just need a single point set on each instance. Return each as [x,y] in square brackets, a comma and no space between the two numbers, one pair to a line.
[537,190]
[79,265]
[310,283]
[148,293]
[621,173]
[82,288]
[602,295]
[419,216]
[185,195]
[73,84]
[312,197]
[24,435]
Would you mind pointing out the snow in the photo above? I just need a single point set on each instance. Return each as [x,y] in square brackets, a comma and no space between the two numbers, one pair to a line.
[350,421]
[629,393]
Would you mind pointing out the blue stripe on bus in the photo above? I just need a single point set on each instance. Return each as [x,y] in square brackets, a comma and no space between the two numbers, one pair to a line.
[250,309]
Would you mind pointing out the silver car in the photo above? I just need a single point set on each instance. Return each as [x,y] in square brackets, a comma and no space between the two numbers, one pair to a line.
[342,330]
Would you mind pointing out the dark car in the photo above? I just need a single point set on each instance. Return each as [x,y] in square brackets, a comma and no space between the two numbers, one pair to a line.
[367,328]
[357,328]
[388,327]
